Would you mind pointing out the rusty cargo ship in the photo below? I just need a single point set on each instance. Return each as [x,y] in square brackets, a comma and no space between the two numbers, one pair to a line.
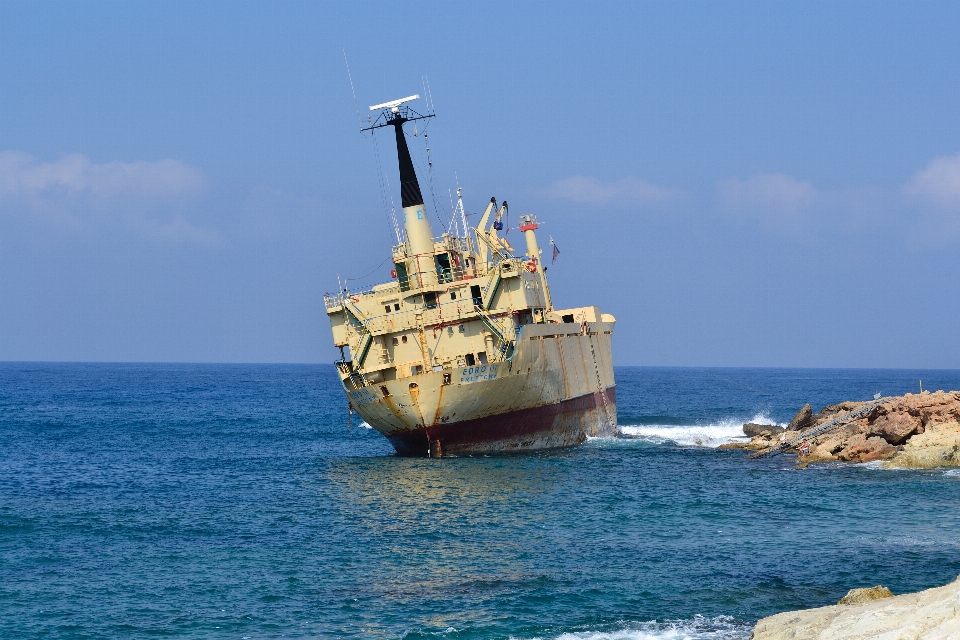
[462,352]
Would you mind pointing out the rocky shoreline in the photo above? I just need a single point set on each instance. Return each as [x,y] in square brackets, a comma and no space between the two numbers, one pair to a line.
[933,614]
[910,431]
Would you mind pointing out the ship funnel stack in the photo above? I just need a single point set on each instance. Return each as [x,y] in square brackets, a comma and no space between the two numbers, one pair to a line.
[416,224]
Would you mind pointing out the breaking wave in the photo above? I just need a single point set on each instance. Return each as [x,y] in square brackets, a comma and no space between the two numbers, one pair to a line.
[698,628]
[706,435]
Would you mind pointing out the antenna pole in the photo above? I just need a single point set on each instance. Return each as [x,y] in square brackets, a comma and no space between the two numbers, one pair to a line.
[355,103]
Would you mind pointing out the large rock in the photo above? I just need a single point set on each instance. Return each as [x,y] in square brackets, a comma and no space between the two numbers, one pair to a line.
[927,615]
[802,420]
[895,427]
[937,446]
[753,429]
[861,448]
[856,596]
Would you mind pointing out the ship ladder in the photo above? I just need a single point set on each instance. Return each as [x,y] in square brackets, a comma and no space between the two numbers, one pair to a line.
[363,347]
[491,291]
[504,348]
[818,431]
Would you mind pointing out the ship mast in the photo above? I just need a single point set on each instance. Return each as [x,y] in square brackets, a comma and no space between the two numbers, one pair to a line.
[416,224]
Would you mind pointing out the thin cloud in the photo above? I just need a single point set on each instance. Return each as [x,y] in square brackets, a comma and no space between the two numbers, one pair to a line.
[768,193]
[938,182]
[23,176]
[74,194]
[586,190]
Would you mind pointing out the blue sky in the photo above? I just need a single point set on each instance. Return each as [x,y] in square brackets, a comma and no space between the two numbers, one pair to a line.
[741,184]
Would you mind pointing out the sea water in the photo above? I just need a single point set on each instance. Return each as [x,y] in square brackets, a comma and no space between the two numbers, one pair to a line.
[233,501]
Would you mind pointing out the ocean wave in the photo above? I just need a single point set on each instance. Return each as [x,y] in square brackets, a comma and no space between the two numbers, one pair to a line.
[953,473]
[697,628]
[707,435]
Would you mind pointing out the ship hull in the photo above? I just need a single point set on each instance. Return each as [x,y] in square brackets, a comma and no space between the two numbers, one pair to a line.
[556,390]
[553,426]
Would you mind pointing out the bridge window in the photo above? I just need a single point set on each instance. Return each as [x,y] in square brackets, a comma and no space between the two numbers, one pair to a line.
[470,360]
[442,262]
[430,300]
[475,292]
[482,357]
[386,308]
[396,307]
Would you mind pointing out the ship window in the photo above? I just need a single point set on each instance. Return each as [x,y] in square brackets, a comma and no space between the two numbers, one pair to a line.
[396,307]
[402,276]
[482,357]
[430,300]
[463,328]
[453,295]
[386,392]
[395,342]
[470,360]
[387,308]
[567,318]
[446,378]
[475,292]
[442,262]
[404,339]
[415,370]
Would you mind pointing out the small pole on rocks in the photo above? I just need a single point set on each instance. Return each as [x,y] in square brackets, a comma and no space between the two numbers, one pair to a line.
[921,386]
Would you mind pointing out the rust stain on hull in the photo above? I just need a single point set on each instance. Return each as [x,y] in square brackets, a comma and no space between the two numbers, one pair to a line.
[563,424]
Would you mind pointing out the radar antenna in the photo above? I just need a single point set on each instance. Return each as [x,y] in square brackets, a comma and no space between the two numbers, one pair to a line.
[395,113]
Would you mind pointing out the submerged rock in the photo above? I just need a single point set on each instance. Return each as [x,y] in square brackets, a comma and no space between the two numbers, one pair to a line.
[856,596]
[930,614]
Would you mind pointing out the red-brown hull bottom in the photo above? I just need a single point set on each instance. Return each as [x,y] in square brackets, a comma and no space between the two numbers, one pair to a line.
[564,424]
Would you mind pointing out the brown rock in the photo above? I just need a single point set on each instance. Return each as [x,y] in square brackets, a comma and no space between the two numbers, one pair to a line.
[895,427]
[802,420]
[861,448]
[937,446]
[856,596]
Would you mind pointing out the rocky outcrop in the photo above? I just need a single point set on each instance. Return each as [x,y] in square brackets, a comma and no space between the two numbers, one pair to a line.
[753,429]
[802,420]
[937,446]
[933,614]
[856,596]
[914,430]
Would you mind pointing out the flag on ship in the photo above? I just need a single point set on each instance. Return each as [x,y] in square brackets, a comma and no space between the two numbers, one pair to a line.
[556,251]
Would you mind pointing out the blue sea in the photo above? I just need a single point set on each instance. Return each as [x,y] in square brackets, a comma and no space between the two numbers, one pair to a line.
[233,501]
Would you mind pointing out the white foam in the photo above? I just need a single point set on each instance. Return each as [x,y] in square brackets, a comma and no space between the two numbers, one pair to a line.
[708,435]
[952,473]
[364,425]
[699,628]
